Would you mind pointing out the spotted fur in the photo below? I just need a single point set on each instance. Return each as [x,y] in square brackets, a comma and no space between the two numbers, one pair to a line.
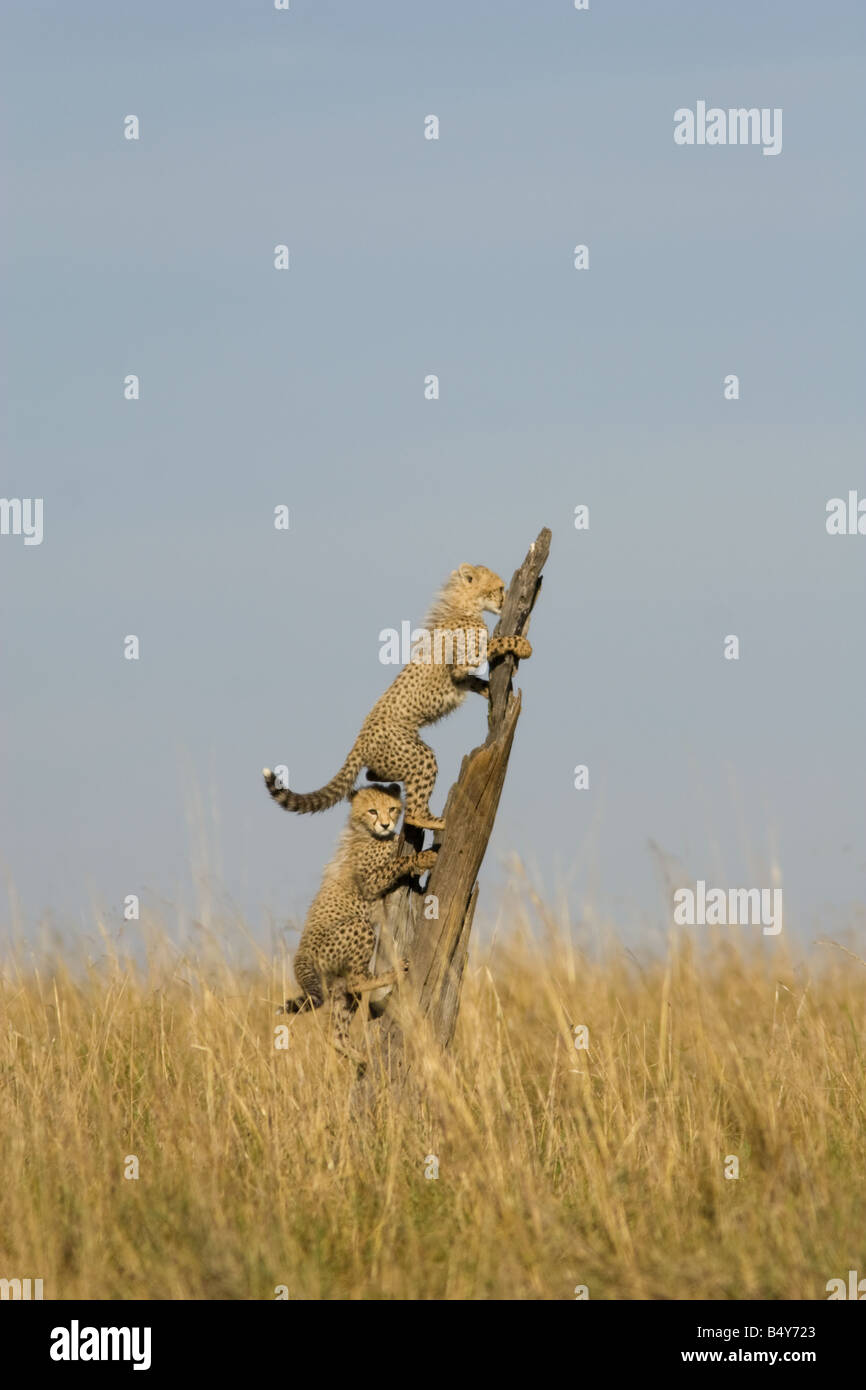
[332,963]
[424,691]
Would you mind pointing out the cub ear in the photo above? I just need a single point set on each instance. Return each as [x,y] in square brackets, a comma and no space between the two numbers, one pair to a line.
[394,790]
[353,793]
[467,573]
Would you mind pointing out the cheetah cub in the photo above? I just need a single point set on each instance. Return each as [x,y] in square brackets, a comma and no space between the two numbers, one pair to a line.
[435,682]
[333,957]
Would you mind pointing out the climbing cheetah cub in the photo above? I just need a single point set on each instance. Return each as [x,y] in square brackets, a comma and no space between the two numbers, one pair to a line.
[435,682]
[333,957]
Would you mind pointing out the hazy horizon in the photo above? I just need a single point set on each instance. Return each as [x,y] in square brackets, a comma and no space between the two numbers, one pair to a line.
[305,387]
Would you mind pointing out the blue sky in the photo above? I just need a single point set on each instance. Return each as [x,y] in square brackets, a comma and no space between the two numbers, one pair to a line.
[558,387]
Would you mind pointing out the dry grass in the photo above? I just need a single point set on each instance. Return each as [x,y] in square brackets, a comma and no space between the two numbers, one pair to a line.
[557,1167]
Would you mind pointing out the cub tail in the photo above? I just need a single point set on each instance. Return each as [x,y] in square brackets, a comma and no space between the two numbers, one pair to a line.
[306,802]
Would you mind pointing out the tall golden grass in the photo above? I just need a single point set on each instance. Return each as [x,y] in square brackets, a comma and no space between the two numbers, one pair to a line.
[557,1167]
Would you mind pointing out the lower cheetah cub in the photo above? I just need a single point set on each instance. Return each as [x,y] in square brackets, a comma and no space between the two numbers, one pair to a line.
[453,642]
[333,957]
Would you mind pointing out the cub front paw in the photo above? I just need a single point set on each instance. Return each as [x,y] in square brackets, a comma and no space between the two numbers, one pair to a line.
[426,859]
[522,648]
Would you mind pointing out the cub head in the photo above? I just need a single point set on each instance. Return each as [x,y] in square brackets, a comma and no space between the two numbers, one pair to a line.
[376,810]
[477,589]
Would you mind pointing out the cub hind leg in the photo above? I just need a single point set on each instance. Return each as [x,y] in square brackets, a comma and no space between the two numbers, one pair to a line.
[363,983]
[345,995]
[420,781]
[404,757]
[309,978]
[343,1006]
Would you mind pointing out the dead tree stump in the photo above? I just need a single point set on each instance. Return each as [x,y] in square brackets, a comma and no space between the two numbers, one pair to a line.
[437,947]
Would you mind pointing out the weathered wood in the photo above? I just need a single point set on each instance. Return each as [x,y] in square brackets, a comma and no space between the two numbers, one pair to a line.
[437,948]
